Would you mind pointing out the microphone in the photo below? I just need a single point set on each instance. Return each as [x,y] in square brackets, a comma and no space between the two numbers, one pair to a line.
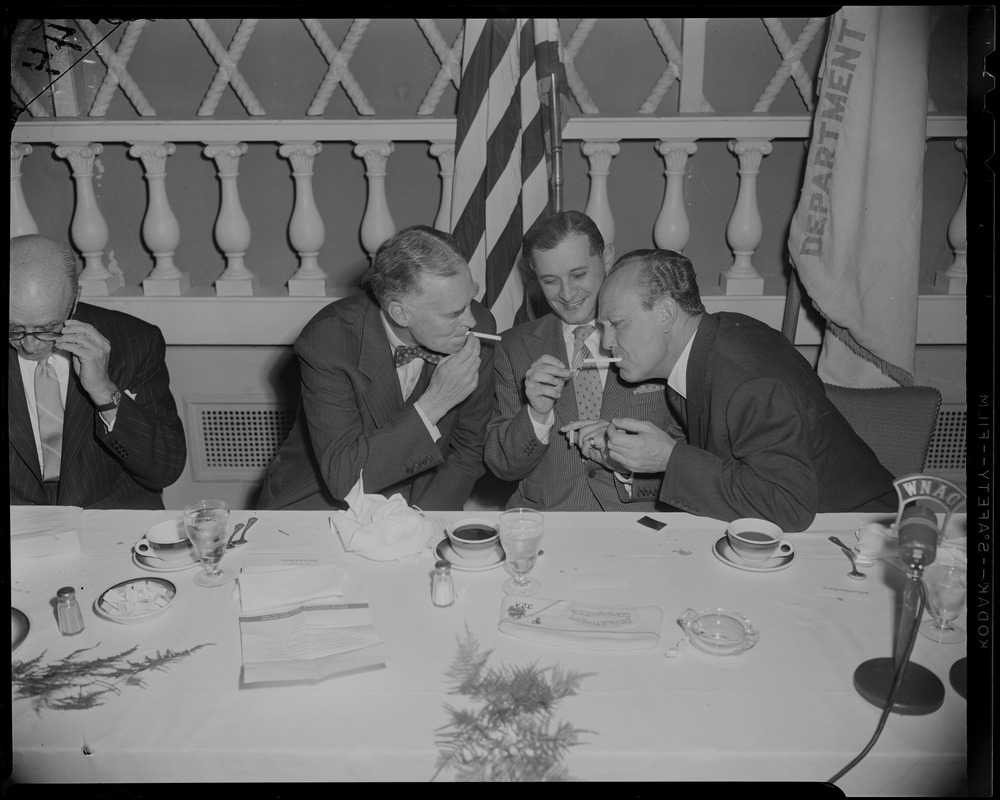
[918,536]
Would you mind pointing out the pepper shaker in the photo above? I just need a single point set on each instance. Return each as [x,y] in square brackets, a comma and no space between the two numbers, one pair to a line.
[68,611]
[442,586]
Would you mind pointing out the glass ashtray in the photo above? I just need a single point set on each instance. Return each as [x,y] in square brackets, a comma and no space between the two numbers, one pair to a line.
[719,631]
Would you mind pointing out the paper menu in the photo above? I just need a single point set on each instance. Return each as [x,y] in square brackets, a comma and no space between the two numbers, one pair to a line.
[309,643]
[44,530]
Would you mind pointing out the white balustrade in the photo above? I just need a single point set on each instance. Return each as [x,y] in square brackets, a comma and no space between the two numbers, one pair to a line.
[305,231]
[745,229]
[21,221]
[160,229]
[377,224]
[232,229]
[672,230]
[444,152]
[599,153]
[89,230]
[954,279]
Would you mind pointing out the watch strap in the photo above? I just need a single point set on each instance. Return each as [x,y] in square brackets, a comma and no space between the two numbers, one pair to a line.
[116,398]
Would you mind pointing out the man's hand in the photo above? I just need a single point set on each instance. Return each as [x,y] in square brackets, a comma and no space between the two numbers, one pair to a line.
[591,437]
[543,384]
[454,379]
[639,445]
[90,352]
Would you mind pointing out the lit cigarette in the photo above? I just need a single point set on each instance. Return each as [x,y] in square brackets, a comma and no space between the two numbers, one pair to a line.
[479,335]
[601,360]
[571,438]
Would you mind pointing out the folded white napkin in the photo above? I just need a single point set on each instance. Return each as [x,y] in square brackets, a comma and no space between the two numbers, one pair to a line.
[565,623]
[380,529]
[875,541]
[267,589]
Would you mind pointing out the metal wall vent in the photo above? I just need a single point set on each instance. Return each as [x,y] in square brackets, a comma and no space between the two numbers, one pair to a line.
[235,439]
[947,452]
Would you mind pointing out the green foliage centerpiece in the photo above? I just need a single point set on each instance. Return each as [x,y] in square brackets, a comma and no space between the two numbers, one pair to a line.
[512,735]
[73,683]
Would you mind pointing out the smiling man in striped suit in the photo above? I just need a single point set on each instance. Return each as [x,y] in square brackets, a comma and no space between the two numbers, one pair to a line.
[543,384]
[91,421]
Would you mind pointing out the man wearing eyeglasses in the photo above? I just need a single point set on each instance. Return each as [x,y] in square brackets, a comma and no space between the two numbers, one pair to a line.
[91,421]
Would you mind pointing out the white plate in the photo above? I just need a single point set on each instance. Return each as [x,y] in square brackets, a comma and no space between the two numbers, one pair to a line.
[159,565]
[725,554]
[447,552]
[127,619]
[19,626]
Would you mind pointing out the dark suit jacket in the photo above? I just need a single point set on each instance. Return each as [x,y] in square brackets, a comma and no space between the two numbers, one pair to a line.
[144,452]
[353,417]
[763,439]
[554,476]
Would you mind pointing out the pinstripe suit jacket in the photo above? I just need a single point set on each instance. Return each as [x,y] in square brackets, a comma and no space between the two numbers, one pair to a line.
[554,476]
[353,417]
[144,452]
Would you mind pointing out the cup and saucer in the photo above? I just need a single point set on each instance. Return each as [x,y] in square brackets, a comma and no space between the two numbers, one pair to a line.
[472,545]
[165,548]
[754,545]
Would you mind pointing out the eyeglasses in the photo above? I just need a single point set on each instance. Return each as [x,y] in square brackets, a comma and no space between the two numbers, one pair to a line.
[49,335]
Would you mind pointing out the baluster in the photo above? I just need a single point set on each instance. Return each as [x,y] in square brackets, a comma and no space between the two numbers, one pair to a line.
[672,230]
[232,229]
[599,153]
[160,230]
[444,152]
[745,229]
[954,279]
[21,221]
[89,230]
[377,225]
[305,231]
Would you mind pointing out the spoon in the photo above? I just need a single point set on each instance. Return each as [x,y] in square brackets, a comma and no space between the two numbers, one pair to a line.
[237,529]
[243,536]
[854,573]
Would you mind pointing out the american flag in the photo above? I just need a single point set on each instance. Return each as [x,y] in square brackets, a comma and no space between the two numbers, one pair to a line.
[501,179]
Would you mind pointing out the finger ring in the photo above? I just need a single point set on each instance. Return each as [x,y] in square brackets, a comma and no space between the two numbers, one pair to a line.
[590,443]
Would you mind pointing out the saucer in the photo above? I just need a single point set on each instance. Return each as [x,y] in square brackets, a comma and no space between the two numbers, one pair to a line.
[722,551]
[445,551]
[19,626]
[167,566]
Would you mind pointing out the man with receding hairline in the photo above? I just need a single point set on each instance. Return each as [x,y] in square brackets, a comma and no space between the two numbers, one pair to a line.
[762,438]
[91,420]
[392,385]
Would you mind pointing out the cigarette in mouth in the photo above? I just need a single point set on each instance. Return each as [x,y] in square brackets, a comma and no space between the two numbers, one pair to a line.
[479,335]
[601,360]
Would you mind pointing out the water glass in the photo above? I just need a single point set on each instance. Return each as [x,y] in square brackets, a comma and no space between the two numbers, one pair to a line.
[521,532]
[945,586]
[207,524]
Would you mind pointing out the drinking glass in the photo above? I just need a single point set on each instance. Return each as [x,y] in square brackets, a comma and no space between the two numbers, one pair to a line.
[207,524]
[521,532]
[944,589]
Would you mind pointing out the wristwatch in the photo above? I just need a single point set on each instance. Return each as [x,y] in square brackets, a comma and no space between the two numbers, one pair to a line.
[116,398]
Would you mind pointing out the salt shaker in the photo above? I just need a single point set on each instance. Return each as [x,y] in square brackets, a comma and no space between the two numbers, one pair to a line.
[69,613]
[442,586]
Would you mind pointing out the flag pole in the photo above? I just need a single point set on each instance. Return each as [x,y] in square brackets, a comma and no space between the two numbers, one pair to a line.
[556,145]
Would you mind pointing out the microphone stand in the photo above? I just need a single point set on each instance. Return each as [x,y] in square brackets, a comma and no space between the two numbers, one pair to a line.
[920,691]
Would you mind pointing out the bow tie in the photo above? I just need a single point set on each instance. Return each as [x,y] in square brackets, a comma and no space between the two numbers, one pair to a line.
[404,354]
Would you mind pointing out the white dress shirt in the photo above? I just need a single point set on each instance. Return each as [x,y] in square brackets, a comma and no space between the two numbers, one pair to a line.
[60,361]
[408,375]
[678,378]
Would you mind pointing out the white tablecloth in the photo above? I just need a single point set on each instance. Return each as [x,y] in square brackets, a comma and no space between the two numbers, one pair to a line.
[784,711]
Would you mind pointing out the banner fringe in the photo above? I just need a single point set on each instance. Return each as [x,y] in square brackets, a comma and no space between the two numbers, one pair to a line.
[891,371]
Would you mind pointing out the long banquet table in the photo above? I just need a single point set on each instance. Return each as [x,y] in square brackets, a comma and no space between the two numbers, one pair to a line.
[786,710]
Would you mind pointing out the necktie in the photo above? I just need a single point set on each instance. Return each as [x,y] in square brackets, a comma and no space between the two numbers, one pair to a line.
[679,406]
[586,382]
[404,354]
[50,418]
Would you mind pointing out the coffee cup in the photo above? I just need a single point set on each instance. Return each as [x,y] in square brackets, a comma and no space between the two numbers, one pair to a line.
[756,540]
[473,539]
[167,541]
